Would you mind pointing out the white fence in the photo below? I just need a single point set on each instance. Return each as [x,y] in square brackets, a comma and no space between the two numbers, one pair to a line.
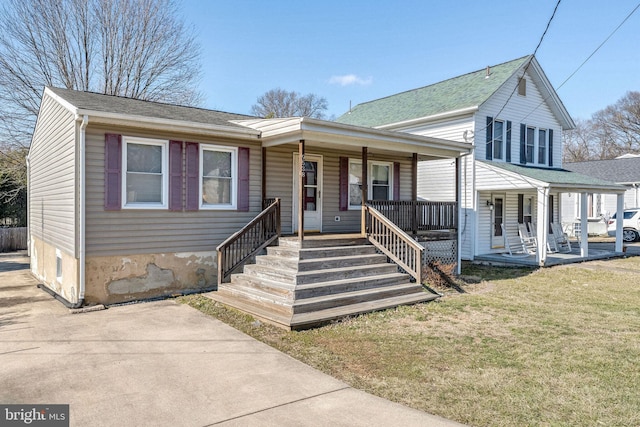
[13,239]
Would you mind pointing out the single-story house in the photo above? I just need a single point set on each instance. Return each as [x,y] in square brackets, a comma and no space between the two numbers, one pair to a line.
[130,199]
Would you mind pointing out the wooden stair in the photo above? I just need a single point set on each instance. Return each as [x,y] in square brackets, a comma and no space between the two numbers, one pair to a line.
[299,286]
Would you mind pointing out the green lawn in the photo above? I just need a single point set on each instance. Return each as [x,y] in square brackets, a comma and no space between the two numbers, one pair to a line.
[558,346]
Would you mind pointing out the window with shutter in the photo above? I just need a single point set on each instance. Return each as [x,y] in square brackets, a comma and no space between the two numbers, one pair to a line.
[145,173]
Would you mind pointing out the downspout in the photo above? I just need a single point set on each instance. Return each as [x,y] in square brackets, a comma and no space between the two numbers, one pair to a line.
[81,214]
[28,208]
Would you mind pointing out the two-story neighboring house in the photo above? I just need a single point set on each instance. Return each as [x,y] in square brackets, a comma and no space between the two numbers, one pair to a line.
[515,119]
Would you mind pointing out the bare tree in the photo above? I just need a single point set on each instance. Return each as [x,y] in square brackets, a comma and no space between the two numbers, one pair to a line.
[281,103]
[134,48]
[611,132]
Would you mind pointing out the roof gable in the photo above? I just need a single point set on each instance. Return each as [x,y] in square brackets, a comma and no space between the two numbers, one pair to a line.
[457,95]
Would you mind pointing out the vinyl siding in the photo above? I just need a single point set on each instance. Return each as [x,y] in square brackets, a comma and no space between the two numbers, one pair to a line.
[280,177]
[485,225]
[52,180]
[437,180]
[531,110]
[452,129]
[139,231]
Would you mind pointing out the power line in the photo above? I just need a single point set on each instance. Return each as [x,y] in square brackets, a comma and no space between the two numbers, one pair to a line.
[615,30]
[555,9]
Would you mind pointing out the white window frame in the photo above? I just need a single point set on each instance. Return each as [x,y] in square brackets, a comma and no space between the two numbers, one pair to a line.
[234,177]
[163,204]
[370,165]
[536,145]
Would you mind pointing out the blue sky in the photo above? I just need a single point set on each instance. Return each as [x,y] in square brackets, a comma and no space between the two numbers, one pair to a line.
[357,51]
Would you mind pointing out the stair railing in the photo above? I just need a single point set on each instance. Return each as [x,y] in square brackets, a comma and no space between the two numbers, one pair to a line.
[259,233]
[393,242]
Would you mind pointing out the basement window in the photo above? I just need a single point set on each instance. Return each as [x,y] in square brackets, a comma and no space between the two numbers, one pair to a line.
[58,266]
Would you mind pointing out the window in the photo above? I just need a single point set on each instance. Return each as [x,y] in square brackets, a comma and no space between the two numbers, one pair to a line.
[536,145]
[380,185]
[528,210]
[542,146]
[218,183]
[355,184]
[498,140]
[380,181]
[531,142]
[145,178]
[58,265]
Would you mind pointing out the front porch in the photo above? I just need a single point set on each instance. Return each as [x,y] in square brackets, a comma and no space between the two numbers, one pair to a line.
[597,251]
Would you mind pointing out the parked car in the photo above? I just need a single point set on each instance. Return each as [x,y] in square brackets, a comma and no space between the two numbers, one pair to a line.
[630,225]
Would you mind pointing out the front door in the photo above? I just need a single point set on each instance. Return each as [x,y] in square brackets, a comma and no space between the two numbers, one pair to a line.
[497,219]
[312,193]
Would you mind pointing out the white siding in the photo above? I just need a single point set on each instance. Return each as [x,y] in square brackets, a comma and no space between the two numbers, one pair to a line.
[487,179]
[437,180]
[52,181]
[140,231]
[531,110]
[452,129]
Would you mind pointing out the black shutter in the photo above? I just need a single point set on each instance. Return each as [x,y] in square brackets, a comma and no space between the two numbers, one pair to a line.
[523,143]
[508,154]
[489,148]
[550,147]
[520,208]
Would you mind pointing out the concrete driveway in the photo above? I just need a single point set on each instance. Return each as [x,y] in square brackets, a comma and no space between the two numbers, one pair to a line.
[164,363]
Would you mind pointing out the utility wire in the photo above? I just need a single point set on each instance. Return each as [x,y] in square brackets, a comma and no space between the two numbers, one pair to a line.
[587,59]
[555,9]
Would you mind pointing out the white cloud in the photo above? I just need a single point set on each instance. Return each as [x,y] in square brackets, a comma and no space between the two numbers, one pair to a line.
[350,79]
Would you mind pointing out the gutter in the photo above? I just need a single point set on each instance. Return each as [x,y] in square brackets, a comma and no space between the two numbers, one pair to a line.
[81,213]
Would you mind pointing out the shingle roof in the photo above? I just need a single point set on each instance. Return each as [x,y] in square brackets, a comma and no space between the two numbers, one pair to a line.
[468,90]
[555,177]
[625,170]
[120,105]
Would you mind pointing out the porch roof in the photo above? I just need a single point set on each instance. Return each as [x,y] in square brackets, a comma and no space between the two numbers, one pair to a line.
[314,131]
[511,176]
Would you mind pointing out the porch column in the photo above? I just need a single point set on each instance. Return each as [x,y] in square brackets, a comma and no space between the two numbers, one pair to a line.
[264,175]
[619,220]
[459,213]
[414,192]
[301,191]
[542,218]
[584,225]
[365,189]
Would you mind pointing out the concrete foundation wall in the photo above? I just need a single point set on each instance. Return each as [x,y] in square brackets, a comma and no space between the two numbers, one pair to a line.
[44,265]
[116,279]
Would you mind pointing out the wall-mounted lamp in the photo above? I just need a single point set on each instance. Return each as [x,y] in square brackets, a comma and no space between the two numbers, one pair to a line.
[490,204]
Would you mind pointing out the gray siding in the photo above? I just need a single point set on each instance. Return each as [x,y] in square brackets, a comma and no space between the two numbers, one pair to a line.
[52,181]
[138,231]
[280,178]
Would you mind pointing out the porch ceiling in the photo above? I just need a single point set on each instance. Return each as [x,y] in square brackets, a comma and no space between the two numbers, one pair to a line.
[508,176]
[331,134]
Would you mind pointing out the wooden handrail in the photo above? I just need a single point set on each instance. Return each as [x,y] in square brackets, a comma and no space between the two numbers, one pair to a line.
[259,233]
[393,242]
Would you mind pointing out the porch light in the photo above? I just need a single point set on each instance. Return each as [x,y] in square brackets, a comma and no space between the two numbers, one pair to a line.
[490,204]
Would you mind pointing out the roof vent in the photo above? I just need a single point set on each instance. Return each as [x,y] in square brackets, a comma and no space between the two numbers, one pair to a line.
[488,72]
